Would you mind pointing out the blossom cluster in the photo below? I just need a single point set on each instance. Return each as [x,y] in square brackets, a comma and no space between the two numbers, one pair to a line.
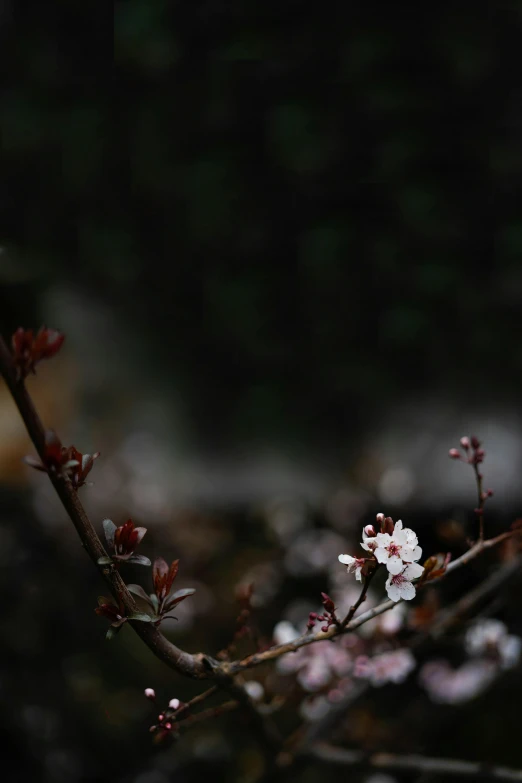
[393,666]
[167,718]
[316,665]
[395,547]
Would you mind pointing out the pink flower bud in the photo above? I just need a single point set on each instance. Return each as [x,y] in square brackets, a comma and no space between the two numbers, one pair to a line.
[454,454]
[324,628]
[168,726]
[161,718]
[380,518]
[149,693]
[465,443]
[475,442]
[174,704]
[369,530]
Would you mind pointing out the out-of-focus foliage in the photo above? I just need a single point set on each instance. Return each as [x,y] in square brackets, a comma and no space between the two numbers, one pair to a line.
[313,209]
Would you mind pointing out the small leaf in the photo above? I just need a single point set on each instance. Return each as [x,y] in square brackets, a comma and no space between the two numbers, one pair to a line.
[143,618]
[104,560]
[111,633]
[102,599]
[178,596]
[109,528]
[153,598]
[140,592]
[139,560]
[139,533]
[34,463]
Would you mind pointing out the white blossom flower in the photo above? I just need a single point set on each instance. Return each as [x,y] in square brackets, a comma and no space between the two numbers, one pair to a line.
[387,623]
[315,665]
[254,689]
[490,638]
[397,549]
[393,666]
[399,585]
[446,685]
[354,564]
[284,632]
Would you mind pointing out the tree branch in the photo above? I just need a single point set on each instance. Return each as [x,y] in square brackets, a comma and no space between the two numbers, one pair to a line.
[390,762]
[448,617]
[179,660]
[198,666]
[233,667]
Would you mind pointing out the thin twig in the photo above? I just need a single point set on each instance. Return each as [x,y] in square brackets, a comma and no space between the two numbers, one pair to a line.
[480,508]
[389,762]
[467,603]
[361,598]
[211,712]
[196,700]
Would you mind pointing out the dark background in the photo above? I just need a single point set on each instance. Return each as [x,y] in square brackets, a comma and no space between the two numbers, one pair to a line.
[284,243]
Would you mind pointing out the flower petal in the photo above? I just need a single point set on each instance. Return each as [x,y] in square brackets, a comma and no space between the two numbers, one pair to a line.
[406,590]
[413,571]
[394,565]
[381,554]
[393,591]
[417,552]
[407,554]
[346,559]
[400,538]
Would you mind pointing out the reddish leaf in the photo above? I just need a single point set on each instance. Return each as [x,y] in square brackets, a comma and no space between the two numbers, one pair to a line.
[179,596]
